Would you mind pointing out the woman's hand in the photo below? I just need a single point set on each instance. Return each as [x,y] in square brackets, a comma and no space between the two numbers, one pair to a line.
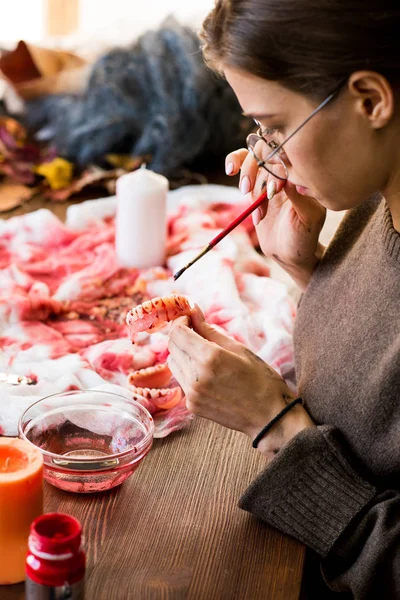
[225,382]
[288,226]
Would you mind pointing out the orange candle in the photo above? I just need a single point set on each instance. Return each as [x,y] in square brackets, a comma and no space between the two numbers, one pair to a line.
[21,501]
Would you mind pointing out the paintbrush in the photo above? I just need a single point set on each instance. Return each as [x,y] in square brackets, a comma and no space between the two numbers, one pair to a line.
[269,194]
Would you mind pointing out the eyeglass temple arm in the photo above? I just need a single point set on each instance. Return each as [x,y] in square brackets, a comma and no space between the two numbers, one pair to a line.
[314,112]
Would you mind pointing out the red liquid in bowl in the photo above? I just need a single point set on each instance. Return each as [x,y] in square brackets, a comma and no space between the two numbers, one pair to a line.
[89,445]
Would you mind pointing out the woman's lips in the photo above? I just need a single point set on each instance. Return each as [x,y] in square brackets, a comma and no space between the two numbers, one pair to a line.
[303,191]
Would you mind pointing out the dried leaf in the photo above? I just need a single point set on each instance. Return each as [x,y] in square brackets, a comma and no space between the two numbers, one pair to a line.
[57,172]
[19,171]
[17,155]
[27,62]
[125,161]
[70,81]
[92,176]
[49,61]
[13,195]
[12,131]
[18,65]
[34,71]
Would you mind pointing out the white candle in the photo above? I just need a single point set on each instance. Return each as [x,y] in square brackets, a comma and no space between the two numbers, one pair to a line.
[140,223]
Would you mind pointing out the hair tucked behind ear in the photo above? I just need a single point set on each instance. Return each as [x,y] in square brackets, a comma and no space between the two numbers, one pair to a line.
[310,46]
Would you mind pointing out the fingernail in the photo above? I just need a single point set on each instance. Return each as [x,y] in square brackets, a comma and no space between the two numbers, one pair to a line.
[271,189]
[256,216]
[245,185]
[229,168]
[200,312]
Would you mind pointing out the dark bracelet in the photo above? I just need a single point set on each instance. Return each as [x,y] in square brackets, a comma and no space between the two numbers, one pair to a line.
[283,412]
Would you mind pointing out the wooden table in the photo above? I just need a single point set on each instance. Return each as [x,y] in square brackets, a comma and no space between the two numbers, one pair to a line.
[174,530]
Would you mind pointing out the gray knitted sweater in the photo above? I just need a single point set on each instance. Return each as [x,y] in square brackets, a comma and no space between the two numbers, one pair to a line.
[336,488]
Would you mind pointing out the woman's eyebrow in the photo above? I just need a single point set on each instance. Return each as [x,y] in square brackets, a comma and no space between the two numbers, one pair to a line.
[258,117]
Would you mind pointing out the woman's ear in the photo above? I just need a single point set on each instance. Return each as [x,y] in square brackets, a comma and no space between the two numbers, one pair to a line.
[374,97]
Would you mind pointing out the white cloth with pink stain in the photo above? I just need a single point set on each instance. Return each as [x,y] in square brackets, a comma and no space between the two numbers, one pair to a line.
[54,279]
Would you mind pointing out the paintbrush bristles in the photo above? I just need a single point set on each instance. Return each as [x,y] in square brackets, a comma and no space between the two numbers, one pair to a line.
[195,259]
[179,273]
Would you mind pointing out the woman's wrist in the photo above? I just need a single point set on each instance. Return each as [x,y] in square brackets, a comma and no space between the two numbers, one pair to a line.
[302,272]
[293,422]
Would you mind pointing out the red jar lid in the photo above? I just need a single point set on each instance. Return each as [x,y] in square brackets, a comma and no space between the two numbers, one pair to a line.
[55,554]
[55,534]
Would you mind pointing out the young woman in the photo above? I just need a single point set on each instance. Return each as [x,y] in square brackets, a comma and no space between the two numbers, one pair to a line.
[321,78]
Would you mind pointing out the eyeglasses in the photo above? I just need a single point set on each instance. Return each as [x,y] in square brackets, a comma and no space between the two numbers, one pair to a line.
[274,162]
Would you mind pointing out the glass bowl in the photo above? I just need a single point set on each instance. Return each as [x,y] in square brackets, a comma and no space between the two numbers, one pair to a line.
[90,440]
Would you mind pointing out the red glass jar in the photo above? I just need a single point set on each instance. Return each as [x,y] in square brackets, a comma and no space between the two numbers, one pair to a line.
[55,563]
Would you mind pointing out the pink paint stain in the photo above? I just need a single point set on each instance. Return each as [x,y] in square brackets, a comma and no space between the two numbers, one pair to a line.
[115,362]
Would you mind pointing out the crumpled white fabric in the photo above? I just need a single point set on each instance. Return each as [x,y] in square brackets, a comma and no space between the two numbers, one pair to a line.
[231,284]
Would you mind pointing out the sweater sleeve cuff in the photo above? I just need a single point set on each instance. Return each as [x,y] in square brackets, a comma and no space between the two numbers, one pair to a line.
[310,490]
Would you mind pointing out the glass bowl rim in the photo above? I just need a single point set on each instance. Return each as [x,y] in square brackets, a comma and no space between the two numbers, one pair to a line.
[140,447]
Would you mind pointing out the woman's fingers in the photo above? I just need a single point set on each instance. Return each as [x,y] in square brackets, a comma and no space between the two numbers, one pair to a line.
[210,333]
[196,354]
[179,373]
[248,174]
[241,160]
[273,186]
[184,321]
[265,183]
[234,160]
[310,212]
[252,178]
[201,341]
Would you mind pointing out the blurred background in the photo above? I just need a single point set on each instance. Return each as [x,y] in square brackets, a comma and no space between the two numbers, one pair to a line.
[90,89]
[90,21]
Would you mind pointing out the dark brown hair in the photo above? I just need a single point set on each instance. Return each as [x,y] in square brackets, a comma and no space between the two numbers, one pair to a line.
[309,46]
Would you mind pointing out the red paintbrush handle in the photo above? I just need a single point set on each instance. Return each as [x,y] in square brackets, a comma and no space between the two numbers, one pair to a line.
[223,233]
[238,220]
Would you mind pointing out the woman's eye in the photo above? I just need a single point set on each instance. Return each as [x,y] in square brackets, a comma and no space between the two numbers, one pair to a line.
[269,132]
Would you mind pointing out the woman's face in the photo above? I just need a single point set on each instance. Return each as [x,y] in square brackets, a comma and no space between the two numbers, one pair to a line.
[334,157]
